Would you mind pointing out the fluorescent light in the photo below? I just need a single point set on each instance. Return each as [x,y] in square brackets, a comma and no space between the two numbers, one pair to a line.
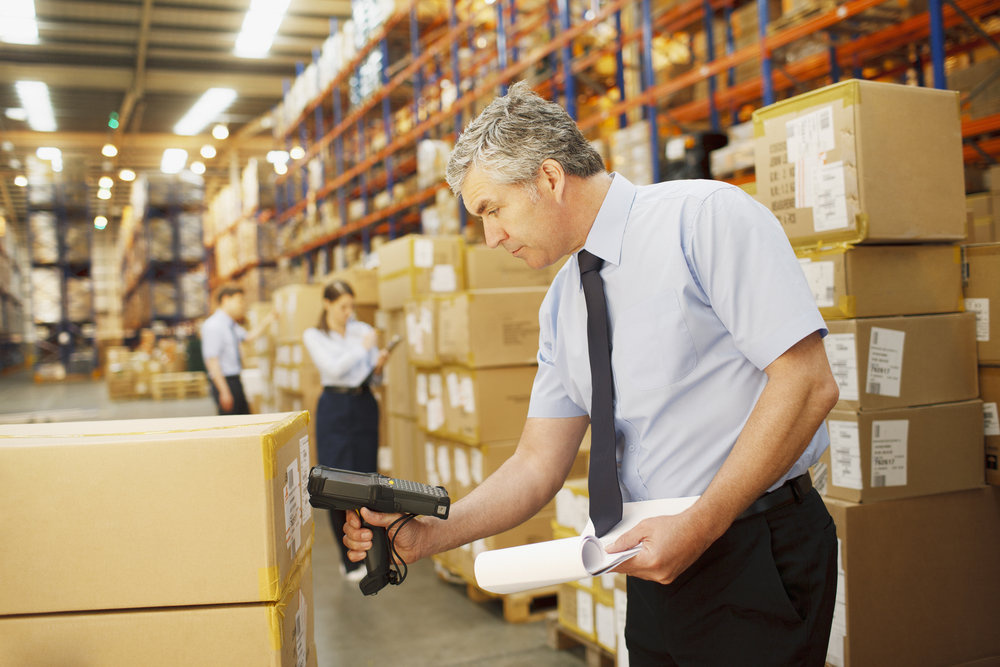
[297,153]
[198,168]
[220,132]
[17,22]
[109,150]
[48,153]
[104,194]
[57,164]
[16,113]
[204,111]
[208,151]
[173,160]
[126,175]
[35,100]
[100,222]
[280,168]
[20,181]
[260,25]
[276,157]
[106,182]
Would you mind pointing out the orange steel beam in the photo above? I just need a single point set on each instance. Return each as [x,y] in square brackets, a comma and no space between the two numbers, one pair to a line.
[989,146]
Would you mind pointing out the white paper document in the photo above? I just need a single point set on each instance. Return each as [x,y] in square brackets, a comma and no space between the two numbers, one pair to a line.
[542,564]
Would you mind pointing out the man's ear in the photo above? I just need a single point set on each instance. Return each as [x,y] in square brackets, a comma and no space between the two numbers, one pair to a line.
[552,178]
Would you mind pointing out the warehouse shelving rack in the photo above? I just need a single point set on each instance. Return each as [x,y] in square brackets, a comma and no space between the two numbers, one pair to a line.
[563,68]
[69,339]
[174,199]
[12,310]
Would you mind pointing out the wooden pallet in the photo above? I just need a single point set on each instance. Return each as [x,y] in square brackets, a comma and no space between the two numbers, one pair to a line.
[525,607]
[172,386]
[562,638]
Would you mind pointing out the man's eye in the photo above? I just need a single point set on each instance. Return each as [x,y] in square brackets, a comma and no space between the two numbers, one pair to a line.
[493,212]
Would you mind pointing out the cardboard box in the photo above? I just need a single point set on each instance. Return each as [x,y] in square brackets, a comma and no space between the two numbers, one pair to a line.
[904,452]
[416,265]
[983,210]
[403,440]
[576,609]
[471,464]
[891,362]
[496,327]
[299,307]
[989,388]
[422,331]
[430,399]
[488,268]
[982,290]
[919,582]
[876,281]
[152,513]
[273,634]
[364,282]
[398,376]
[482,405]
[849,163]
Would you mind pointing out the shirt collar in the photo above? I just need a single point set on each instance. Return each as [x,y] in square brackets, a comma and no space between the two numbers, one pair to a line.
[608,230]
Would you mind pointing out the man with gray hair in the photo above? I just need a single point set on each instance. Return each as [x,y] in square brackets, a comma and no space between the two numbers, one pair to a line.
[681,329]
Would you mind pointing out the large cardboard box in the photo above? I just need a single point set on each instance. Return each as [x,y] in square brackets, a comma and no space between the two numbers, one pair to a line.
[891,362]
[919,584]
[428,390]
[398,376]
[876,281]
[416,265]
[487,268]
[983,209]
[989,388]
[299,307]
[270,634]
[422,330]
[152,513]
[904,452]
[403,441]
[982,291]
[484,405]
[364,283]
[849,162]
[495,327]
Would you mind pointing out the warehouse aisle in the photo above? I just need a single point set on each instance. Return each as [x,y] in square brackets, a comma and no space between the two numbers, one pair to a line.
[426,621]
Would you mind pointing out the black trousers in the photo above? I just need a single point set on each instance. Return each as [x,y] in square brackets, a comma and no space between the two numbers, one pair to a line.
[762,594]
[346,438]
[240,405]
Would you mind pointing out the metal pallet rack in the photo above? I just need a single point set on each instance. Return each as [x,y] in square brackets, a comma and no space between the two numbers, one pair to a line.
[12,311]
[854,43]
[143,271]
[66,338]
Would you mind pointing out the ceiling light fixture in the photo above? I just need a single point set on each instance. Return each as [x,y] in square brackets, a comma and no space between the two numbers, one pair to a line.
[35,101]
[109,150]
[208,151]
[220,132]
[173,160]
[126,175]
[16,113]
[100,222]
[297,153]
[21,181]
[17,22]
[104,194]
[48,153]
[260,25]
[106,182]
[213,102]
[198,168]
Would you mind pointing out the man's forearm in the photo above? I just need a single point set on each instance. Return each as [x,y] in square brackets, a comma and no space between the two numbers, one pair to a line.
[214,369]
[519,488]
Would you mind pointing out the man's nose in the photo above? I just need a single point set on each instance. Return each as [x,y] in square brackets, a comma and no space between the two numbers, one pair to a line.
[494,233]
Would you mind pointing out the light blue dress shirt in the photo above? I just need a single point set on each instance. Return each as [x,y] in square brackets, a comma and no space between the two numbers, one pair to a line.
[220,339]
[342,361]
[703,293]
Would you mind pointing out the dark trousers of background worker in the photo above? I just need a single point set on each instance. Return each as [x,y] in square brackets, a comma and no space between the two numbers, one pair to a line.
[240,405]
[346,438]
[762,594]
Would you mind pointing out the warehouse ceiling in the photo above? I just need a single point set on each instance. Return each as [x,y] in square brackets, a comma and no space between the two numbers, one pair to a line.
[148,61]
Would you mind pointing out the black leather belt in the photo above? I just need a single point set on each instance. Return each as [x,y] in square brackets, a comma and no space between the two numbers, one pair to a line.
[792,491]
[350,391]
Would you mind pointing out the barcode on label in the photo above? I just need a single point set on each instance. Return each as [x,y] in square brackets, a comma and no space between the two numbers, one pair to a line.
[874,388]
[824,119]
[874,337]
[877,430]
[829,294]
[878,480]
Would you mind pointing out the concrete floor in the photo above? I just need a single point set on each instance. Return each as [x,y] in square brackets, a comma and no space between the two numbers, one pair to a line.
[425,621]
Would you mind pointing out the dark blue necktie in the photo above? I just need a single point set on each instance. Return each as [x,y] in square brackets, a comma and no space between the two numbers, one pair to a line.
[605,494]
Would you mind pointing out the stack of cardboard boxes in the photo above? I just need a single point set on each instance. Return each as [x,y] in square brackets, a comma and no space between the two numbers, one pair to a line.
[158,542]
[982,290]
[867,181]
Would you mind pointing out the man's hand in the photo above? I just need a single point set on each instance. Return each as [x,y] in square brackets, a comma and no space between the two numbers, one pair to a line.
[670,545]
[358,539]
[226,400]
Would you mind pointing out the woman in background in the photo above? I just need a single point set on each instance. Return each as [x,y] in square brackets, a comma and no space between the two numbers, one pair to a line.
[344,351]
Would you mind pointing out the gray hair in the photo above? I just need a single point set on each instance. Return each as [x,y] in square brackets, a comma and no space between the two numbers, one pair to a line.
[513,136]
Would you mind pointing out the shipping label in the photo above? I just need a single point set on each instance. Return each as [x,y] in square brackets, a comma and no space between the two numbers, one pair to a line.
[885,362]
[819,276]
[444,463]
[621,609]
[830,200]
[304,467]
[463,475]
[841,350]
[991,420]
[889,445]
[443,278]
[468,392]
[476,465]
[421,389]
[585,611]
[299,633]
[423,253]
[604,617]
[293,524]
[981,307]
[430,464]
[454,390]
[435,413]
[845,454]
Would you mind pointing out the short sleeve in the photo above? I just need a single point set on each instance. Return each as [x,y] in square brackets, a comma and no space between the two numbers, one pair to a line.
[749,274]
[211,342]
[548,394]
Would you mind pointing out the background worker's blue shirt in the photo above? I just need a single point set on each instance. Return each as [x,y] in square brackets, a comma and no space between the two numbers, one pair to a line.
[703,293]
[220,339]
